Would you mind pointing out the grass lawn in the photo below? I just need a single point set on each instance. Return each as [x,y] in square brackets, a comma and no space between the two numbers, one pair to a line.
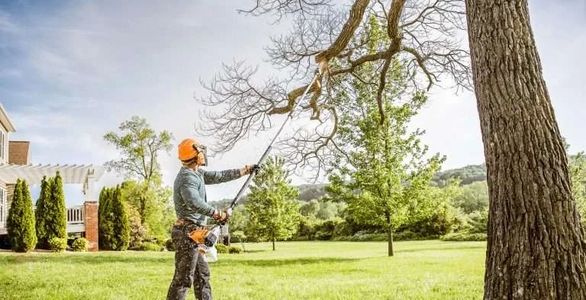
[297,270]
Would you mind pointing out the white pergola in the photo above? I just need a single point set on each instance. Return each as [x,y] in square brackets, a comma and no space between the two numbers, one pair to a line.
[86,175]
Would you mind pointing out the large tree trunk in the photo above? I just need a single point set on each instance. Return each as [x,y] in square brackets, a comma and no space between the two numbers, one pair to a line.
[536,247]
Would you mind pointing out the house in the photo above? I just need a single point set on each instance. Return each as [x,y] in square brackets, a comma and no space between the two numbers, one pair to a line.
[15,164]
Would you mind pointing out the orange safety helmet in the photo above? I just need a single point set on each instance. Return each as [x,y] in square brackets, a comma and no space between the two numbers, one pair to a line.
[189,149]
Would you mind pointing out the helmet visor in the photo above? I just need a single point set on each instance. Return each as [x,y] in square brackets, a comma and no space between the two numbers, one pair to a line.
[204,151]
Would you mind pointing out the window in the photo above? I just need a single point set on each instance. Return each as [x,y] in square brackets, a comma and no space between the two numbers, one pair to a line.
[3,208]
[2,146]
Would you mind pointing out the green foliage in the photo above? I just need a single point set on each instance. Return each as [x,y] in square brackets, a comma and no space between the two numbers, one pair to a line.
[42,206]
[463,236]
[150,246]
[384,174]
[472,197]
[139,147]
[80,245]
[272,206]
[113,222]
[58,244]
[21,219]
[234,250]
[443,218]
[221,248]
[578,177]
[121,225]
[54,210]
[138,232]
[151,201]
[105,220]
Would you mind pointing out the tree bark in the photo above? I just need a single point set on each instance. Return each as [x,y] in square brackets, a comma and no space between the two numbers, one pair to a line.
[390,251]
[273,243]
[536,247]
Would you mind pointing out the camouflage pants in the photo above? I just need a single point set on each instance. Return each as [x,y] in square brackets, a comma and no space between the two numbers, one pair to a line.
[190,268]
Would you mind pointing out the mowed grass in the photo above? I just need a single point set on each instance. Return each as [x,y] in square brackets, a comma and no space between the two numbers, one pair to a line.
[297,270]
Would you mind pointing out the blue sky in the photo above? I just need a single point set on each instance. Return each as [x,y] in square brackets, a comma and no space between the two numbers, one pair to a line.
[72,70]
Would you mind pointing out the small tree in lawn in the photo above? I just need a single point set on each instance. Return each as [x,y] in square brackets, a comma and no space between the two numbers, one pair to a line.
[120,222]
[272,204]
[41,212]
[21,219]
[384,175]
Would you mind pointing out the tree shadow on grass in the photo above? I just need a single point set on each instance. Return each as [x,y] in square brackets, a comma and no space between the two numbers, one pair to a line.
[439,249]
[88,259]
[286,262]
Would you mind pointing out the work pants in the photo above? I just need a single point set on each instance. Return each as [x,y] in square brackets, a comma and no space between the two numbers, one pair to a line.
[191,267]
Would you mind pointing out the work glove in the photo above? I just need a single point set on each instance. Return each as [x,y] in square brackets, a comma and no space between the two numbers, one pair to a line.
[222,216]
[249,169]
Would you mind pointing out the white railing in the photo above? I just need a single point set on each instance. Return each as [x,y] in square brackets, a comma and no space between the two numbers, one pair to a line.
[75,218]
[75,215]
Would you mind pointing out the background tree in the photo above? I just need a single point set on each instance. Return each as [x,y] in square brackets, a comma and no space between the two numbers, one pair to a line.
[21,219]
[120,221]
[272,203]
[383,173]
[472,197]
[41,212]
[56,211]
[105,220]
[140,147]
[528,178]
[157,215]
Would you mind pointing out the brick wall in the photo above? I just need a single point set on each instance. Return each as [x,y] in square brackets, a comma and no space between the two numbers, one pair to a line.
[18,152]
[91,224]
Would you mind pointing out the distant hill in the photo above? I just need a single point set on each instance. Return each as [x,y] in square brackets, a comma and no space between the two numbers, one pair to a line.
[308,192]
[467,175]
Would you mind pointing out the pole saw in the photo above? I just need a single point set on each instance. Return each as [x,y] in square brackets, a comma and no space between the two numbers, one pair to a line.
[214,233]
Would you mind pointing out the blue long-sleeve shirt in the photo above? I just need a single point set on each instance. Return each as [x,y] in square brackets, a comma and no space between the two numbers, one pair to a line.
[189,193]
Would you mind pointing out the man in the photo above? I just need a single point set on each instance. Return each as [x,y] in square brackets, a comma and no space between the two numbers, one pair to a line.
[192,210]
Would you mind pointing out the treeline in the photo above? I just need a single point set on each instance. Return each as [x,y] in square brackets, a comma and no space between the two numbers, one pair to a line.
[134,215]
[44,227]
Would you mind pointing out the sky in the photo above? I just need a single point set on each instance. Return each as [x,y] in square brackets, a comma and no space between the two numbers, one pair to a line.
[72,70]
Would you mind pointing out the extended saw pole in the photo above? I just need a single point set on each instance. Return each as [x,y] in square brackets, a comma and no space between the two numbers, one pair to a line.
[270,147]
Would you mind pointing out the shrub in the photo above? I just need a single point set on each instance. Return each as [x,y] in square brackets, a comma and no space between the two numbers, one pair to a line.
[234,250]
[221,248]
[148,246]
[80,245]
[58,244]
[43,205]
[462,236]
[121,224]
[21,219]
[169,245]
[56,211]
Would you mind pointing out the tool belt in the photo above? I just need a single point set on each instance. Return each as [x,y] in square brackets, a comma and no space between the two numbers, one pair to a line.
[195,232]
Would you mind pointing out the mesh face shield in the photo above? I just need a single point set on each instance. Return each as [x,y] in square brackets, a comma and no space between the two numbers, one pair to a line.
[203,150]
